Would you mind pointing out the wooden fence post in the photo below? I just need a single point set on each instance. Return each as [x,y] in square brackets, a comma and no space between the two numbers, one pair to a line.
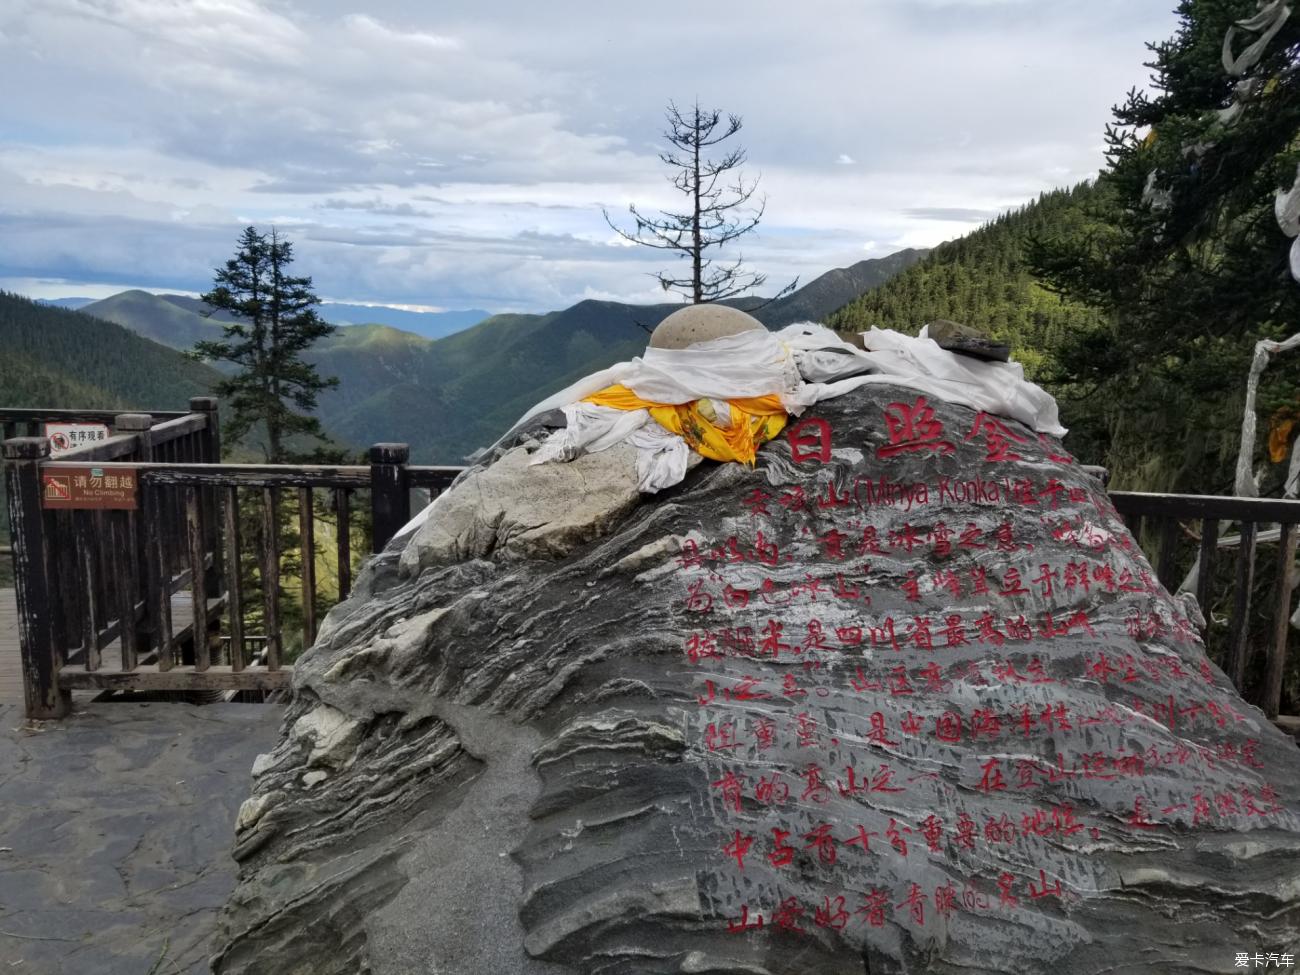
[1239,627]
[390,491]
[1167,554]
[1276,666]
[1205,570]
[342,511]
[42,657]
[151,553]
[139,425]
[210,453]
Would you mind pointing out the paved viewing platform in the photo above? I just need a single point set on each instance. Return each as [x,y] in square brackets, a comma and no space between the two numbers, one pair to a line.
[116,826]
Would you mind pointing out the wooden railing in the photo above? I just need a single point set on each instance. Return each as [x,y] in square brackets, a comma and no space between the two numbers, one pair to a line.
[1184,533]
[31,422]
[180,527]
[28,423]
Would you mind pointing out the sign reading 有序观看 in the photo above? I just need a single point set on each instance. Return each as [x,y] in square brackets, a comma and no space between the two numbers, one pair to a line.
[94,488]
[70,436]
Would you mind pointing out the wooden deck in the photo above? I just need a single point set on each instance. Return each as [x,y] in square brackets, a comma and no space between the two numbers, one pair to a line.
[11,666]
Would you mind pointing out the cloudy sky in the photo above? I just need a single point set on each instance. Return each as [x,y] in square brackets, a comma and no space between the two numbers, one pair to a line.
[457,154]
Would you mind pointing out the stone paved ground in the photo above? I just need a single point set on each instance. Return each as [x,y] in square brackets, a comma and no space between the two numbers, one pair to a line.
[115,834]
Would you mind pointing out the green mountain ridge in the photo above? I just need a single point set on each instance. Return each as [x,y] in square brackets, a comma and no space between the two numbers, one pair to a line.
[55,358]
[154,317]
[473,385]
[832,290]
[984,279]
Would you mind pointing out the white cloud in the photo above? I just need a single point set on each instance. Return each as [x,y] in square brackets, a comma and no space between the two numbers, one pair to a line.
[419,40]
[461,154]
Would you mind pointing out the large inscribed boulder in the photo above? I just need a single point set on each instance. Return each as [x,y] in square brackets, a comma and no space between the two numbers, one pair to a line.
[903,698]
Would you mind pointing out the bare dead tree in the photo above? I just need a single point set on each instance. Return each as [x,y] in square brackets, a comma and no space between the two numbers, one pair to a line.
[719,212]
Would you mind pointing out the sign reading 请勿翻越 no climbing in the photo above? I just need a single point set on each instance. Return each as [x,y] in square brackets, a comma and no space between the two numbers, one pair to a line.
[91,488]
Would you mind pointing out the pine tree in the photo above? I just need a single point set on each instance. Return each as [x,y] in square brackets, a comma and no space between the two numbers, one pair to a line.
[1183,252]
[275,322]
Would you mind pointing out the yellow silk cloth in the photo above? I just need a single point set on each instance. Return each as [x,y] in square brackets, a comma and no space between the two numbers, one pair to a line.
[754,421]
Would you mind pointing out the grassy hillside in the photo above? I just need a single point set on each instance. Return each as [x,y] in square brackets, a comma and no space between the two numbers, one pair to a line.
[983,279]
[154,317]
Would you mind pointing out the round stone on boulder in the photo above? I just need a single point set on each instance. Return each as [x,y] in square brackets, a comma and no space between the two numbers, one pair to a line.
[699,323]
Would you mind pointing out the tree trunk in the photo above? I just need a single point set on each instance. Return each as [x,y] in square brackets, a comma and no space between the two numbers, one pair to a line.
[697,245]
[276,403]
[274,451]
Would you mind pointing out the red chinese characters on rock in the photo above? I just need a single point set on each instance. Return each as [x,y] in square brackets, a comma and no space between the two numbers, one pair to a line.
[1052,453]
[795,759]
[865,493]
[810,440]
[919,633]
[826,843]
[1070,578]
[913,428]
[1086,534]
[998,438]
[1192,704]
[1024,722]
[1244,801]
[915,905]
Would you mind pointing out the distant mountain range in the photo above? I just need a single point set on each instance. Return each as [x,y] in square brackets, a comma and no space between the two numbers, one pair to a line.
[448,396]
[430,324]
[72,304]
[139,311]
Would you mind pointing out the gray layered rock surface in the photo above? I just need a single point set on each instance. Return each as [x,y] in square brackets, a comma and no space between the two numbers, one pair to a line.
[903,698]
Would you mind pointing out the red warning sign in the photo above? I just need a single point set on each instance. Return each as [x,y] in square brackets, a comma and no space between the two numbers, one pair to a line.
[114,488]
